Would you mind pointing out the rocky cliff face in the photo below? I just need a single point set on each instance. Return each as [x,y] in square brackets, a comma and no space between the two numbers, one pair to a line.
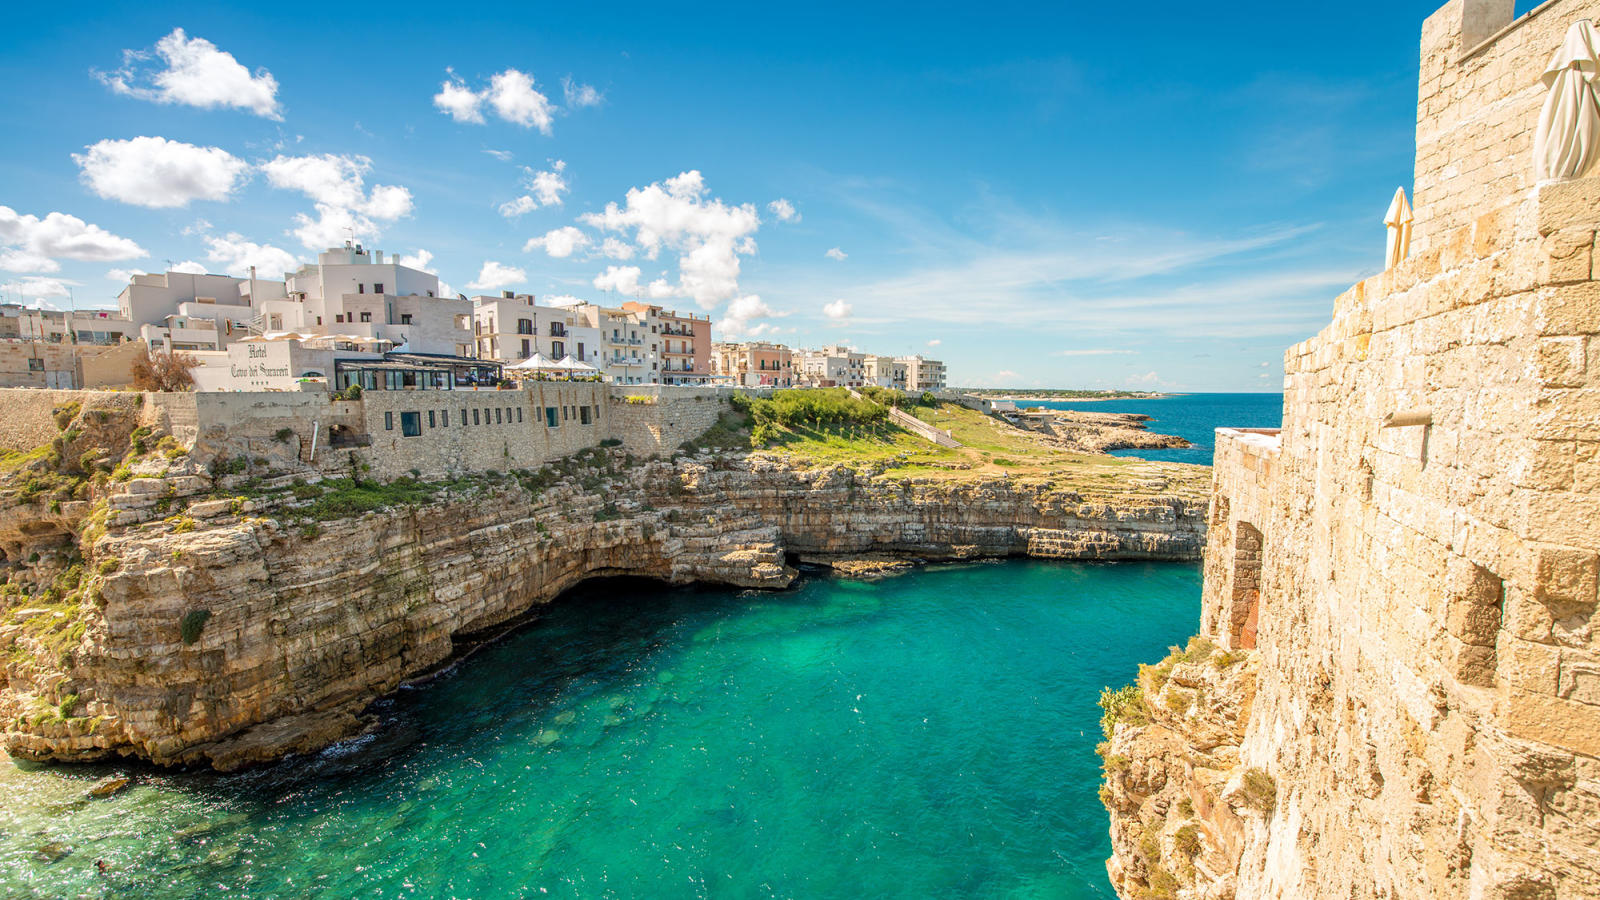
[199,629]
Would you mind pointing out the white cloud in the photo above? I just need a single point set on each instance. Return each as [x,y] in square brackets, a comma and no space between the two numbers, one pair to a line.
[746,317]
[196,73]
[521,206]
[935,342]
[37,289]
[419,261]
[236,255]
[502,155]
[158,173]
[512,95]
[337,187]
[515,99]
[123,274]
[1005,373]
[562,300]
[625,280]
[460,102]
[189,266]
[708,234]
[1264,365]
[838,310]
[836,253]
[615,249]
[578,95]
[784,210]
[559,243]
[32,244]
[495,276]
[547,187]
[1093,352]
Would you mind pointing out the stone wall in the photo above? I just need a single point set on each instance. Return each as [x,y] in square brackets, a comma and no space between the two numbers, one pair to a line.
[651,419]
[27,415]
[1426,717]
[462,432]
[1477,105]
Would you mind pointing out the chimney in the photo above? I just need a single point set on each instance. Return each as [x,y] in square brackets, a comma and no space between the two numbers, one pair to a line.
[377,257]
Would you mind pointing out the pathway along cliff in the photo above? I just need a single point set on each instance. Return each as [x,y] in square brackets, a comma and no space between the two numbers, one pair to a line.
[225,611]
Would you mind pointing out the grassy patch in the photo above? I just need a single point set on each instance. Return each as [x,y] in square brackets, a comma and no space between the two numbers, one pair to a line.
[1259,791]
[193,623]
[342,498]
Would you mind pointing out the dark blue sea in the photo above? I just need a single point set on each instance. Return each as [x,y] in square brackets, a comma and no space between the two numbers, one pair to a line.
[1194,417]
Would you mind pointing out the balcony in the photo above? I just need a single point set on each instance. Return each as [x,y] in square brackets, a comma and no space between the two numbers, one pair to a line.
[556,330]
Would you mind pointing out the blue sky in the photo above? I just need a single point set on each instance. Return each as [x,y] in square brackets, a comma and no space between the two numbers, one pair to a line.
[1043,195]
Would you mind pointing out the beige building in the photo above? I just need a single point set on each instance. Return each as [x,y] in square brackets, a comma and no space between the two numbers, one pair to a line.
[923,374]
[836,366]
[505,328]
[884,371]
[753,364]
[681,344]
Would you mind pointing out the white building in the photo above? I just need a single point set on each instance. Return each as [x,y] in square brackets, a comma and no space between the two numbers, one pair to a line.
[185,311]
[352,291]
[923,374]
[836,366]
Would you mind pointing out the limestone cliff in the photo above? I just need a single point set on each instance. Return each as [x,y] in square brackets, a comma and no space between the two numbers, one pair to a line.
[210,614]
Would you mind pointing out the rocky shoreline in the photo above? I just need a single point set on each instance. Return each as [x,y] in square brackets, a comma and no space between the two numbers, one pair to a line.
[222,632]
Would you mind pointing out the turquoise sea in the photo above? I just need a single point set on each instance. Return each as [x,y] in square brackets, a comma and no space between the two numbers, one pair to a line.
[928,735]
[1193,417]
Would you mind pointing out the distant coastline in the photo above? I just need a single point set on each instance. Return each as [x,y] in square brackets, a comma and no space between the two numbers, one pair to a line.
[1075,396]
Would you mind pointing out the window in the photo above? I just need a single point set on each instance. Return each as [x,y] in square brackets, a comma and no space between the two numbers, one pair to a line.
[474,417]
[411,424]
[339,318]
[524,326]
[519,415]
[583,418]
[366,317]
[35,365]
[361,288]
[431,423]
[405,318]
[377,288]
[388,421]
[580,351]
[525,350]
[550,419]
[319,320]
[497,419]
[564,413]
[444,418]
[556,349]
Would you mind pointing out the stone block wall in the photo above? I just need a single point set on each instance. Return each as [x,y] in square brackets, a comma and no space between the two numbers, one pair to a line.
[652,419]
[1429,698]
[461,432]
[1478,102]
[27,415]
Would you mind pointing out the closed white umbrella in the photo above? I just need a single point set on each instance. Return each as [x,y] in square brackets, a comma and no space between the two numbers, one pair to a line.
[1568,138]
[1398,220]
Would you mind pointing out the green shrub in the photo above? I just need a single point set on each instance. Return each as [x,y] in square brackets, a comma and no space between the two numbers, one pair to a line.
[65,413]
[1259,791]
[108,565]
[1125,704]
[283,435]
[193,623]
[68,703]
[1186,840]
[181,524]
[611,442]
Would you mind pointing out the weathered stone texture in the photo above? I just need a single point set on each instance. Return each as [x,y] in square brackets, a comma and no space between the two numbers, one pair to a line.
[1426,702]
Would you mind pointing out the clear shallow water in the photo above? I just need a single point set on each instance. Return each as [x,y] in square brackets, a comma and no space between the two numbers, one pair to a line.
[926,735]
[1193,417]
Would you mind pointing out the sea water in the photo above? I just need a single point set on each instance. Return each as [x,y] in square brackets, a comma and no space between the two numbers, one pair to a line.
[927,735]
[1193,417]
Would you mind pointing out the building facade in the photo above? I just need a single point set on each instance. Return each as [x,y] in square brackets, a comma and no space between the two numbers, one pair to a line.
[753,364]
